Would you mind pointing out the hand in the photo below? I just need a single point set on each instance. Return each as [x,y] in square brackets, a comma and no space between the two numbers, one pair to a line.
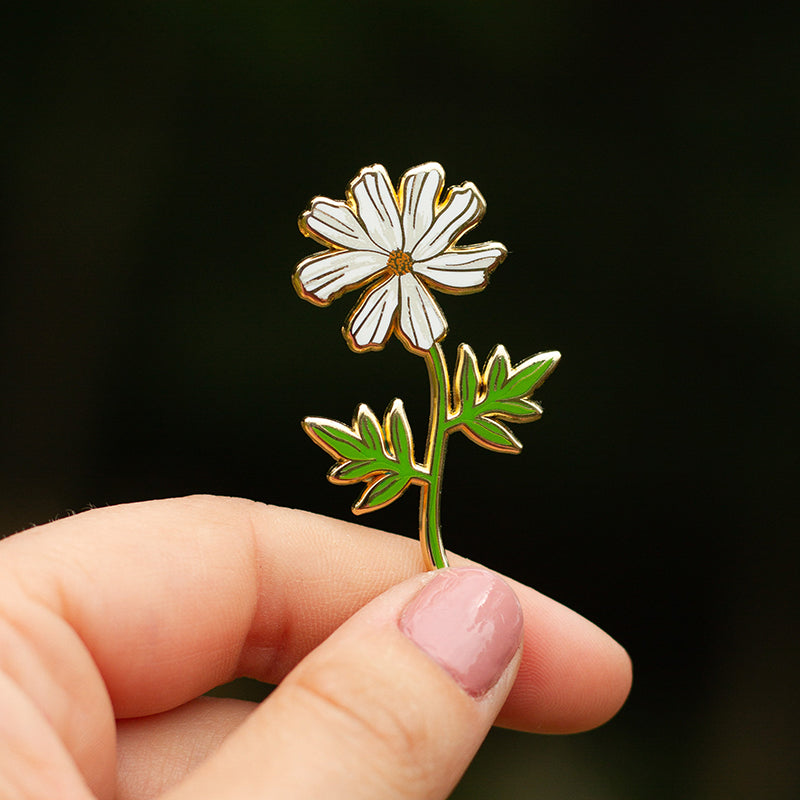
[114,622]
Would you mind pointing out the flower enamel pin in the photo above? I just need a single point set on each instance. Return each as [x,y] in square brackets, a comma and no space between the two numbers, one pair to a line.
[397,245]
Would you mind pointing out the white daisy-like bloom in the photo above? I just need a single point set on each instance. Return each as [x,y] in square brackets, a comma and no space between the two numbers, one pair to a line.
[402,242]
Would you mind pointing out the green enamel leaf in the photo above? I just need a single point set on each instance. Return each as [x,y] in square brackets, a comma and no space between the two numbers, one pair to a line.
[500,392]
[359,451]
[369,429]
[380,455]
[352,471]
[492,434]
[399,434]
[467,380]
[380,493]
[517,410]
[335,438]
[529,375]
[497,369]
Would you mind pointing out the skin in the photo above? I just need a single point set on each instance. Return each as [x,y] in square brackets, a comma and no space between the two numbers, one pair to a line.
[114,622]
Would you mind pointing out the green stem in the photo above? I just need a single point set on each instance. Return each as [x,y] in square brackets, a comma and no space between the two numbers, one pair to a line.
[429,524]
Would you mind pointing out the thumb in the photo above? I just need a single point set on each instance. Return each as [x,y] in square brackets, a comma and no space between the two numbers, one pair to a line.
[394,704]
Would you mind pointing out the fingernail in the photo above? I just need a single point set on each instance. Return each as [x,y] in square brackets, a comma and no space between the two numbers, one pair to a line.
[470,622]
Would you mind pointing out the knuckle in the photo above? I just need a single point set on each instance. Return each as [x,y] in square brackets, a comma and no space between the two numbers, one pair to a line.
[367,714]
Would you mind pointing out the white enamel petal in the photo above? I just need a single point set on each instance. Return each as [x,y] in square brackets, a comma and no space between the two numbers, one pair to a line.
[333,222]
[322,278]
[421,320]
[464,269]
[377,207]
[464,207]
[371,322]
[419,189]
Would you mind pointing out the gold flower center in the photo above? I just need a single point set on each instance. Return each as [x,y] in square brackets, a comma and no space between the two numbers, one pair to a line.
[399,262]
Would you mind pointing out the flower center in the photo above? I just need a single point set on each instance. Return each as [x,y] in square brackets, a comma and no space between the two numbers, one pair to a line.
[399,262]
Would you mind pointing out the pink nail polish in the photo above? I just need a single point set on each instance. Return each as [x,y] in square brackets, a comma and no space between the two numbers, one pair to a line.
[470,622]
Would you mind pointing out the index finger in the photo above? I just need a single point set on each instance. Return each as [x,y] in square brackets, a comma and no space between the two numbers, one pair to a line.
[173,597]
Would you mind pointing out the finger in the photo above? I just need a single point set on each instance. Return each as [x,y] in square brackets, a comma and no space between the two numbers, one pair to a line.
[34,762]
[152,604]
[394,704]
[573,675]
[154,753]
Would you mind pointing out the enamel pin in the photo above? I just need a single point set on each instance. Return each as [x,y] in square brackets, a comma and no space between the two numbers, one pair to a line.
[396,246]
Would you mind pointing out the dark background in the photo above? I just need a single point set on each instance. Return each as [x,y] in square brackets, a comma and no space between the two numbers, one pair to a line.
[642,164]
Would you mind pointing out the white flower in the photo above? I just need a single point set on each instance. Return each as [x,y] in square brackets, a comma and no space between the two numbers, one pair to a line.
[402,241]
